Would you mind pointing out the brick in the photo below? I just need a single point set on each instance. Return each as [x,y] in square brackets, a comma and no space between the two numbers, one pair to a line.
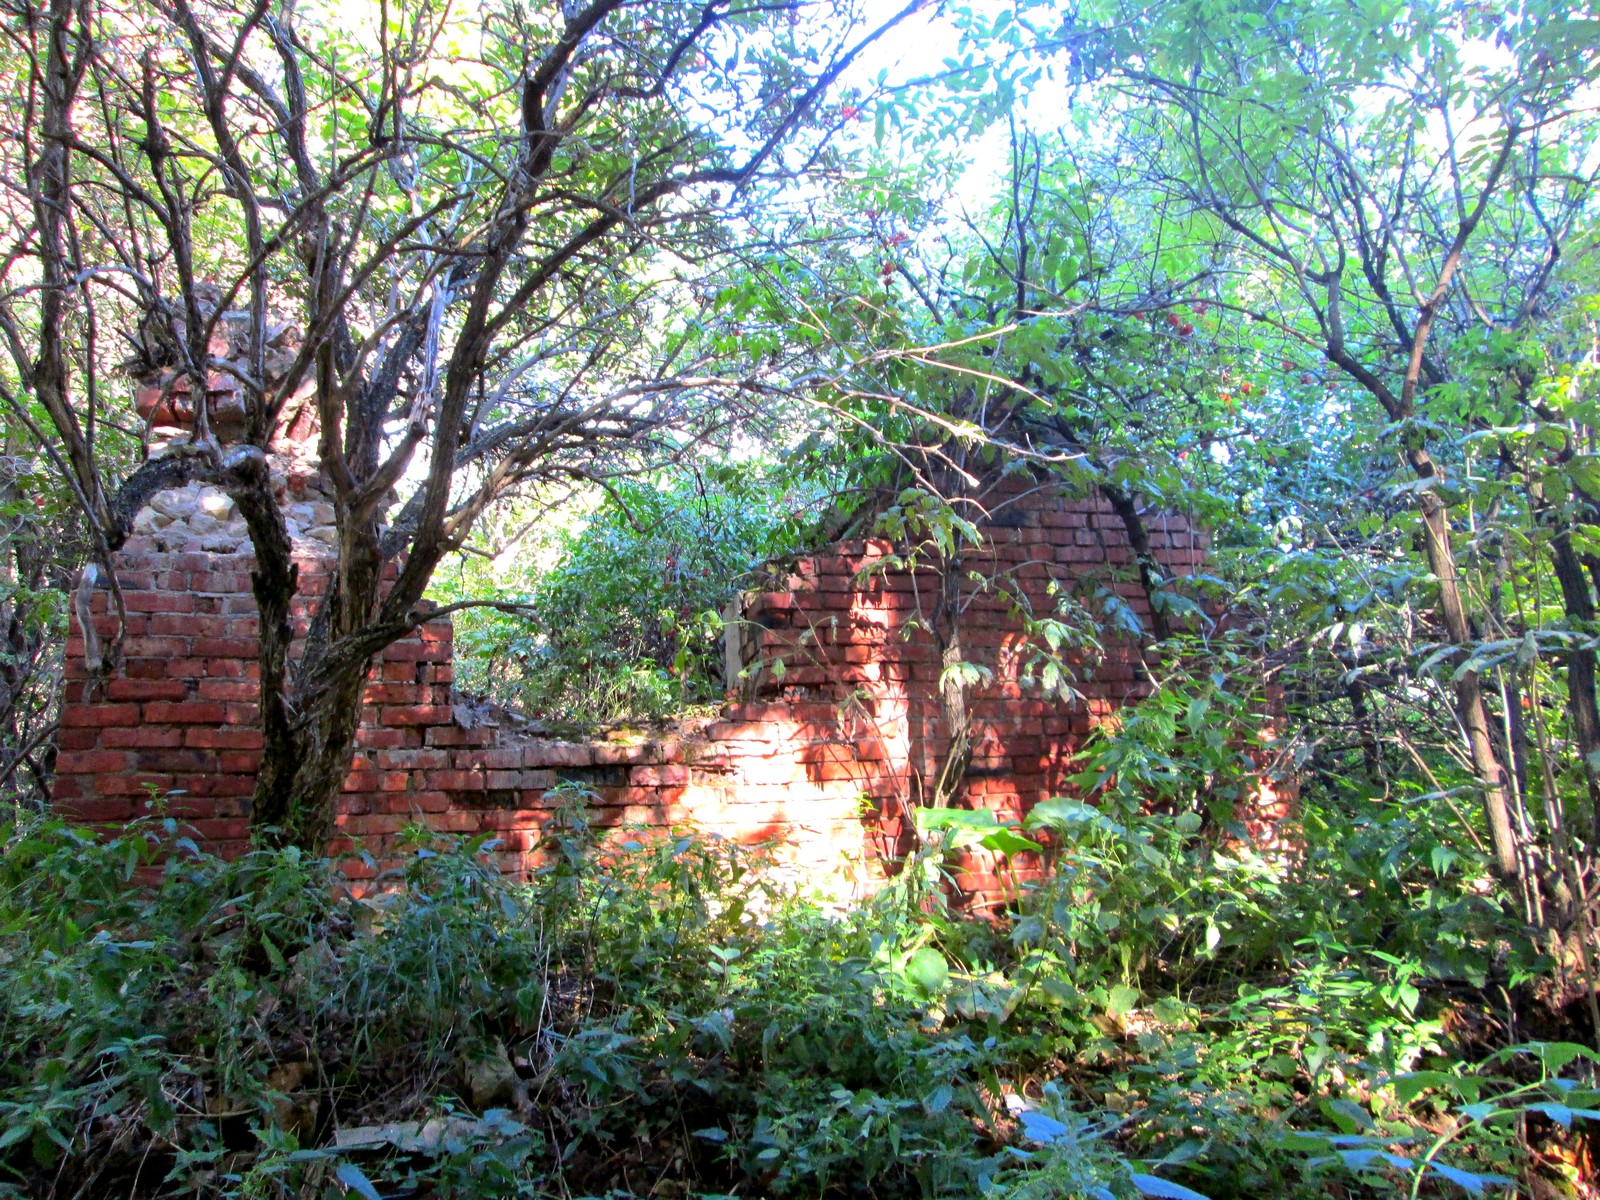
[90,762]
[81,739]
[140,668]
[558,754]
[128,784]
[235,786]
[231,738]
[99,809]
[158,602]
[415,714]
[156,647]
[389,739]
[489,758]
[99,715]
[393,693]
[454,781]
[428,801]
[141,737]
[414,652]
[413,760]
[192,712]
[224,647]
[147,689]
[222,828]
[231,690]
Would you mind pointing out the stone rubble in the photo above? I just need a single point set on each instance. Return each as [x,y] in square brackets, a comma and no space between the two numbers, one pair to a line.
[203,518]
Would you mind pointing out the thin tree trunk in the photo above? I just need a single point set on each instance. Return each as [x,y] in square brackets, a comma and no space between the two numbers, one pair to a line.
[1151,576]
[1581,700]
[1471,710]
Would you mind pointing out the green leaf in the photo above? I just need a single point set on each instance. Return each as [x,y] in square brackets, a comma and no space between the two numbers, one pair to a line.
[1151,1185]
[1123,1000]
[355,1180]
[1472,1182]
[930,819]
[928,970]
[1008,842]
[1409,1086]
[1061,813]
[1556,1055]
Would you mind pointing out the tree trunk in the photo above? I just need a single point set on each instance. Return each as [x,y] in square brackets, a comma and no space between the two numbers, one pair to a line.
[1151,575]
[303,769]
[957,722]
[1471,710]
[310,709]
[1579,603]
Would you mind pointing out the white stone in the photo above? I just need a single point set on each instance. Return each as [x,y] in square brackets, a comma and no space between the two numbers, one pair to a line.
[173,503]
[327,535]
[216,503]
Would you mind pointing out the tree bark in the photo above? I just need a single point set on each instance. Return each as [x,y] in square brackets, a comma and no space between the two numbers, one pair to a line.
[1471,710]
[1581,700]
[1151,576]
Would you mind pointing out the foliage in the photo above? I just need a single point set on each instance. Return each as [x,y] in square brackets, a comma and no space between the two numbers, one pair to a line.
[624,614]
[661,1007]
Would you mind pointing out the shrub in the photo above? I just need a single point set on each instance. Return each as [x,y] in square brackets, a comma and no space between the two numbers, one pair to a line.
[655,1014]
[626,622]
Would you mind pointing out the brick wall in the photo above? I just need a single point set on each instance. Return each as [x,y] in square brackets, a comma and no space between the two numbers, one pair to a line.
[824,752]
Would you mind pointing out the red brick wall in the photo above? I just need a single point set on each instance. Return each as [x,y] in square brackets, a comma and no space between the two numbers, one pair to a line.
[826,753]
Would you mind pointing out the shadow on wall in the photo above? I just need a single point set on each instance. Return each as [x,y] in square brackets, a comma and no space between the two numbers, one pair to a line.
[838,733]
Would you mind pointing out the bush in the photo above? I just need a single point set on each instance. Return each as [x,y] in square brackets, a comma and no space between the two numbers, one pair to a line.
[656,1015]
[625,623]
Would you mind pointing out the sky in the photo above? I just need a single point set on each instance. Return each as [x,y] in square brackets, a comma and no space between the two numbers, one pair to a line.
[915,48]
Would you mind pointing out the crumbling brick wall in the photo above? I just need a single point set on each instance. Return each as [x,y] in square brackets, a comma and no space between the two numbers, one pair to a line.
[825,754]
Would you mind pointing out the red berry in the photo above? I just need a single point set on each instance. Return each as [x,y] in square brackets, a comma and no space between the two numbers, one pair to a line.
[1174,320]
[1185,329]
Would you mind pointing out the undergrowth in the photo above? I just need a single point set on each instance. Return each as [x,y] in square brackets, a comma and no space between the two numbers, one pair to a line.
[1165,1014]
